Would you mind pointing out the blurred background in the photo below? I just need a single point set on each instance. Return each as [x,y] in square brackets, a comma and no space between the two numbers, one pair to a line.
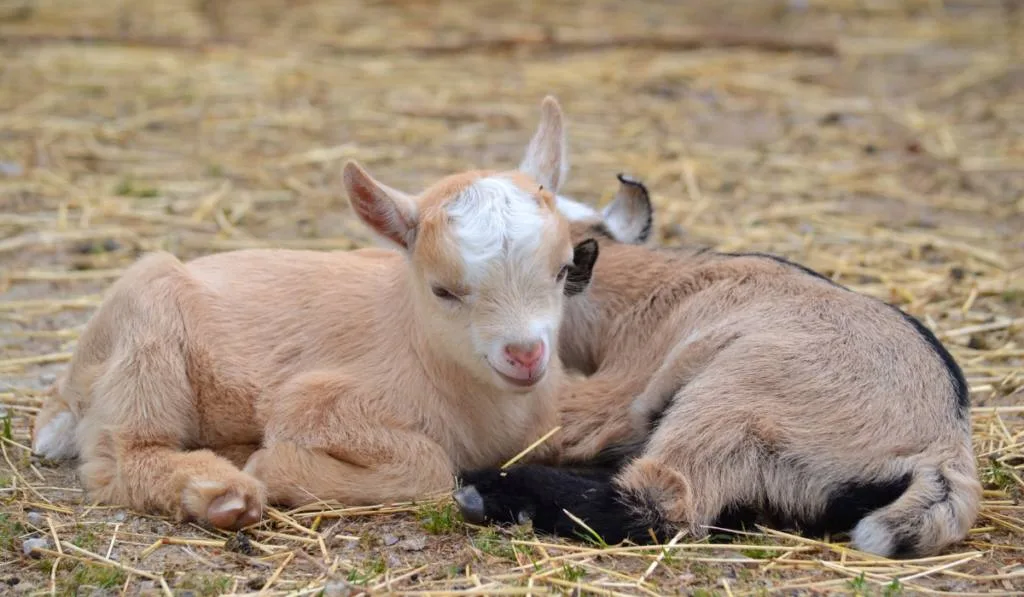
[880,142]
[205,124]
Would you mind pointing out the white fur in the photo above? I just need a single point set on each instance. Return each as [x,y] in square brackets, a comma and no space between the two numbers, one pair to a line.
[624,220]
[493,219]
[872,536]
[575,211]
[206,485]
[499,229]
[56,441]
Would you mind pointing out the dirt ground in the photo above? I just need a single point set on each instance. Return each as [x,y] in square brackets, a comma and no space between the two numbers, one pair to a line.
[880,142]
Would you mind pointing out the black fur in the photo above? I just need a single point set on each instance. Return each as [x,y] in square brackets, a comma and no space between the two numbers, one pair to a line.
[956,374]
[906,547]
[905,536]
[853,500]
[848,503]
[543,493]
[584,256]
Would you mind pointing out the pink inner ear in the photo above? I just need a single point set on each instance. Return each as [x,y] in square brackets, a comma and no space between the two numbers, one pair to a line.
[376,210]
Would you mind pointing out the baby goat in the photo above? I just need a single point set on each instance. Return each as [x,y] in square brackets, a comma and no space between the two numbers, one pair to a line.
[203,390]
[756,391]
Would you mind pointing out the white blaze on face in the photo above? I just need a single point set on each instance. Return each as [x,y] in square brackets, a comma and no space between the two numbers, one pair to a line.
[494,220]
[500,231]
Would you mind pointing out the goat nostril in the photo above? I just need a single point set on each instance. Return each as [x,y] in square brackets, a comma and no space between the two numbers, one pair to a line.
[525,354]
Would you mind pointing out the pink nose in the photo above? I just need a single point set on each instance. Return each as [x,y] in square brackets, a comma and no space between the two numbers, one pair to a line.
[525,355]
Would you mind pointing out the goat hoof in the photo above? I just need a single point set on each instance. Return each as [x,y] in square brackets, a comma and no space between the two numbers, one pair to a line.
[233,512]
[471,504]
[225,511]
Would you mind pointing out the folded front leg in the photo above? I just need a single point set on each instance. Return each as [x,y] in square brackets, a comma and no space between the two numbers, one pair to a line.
[163,479]
[326,441]
[593,413]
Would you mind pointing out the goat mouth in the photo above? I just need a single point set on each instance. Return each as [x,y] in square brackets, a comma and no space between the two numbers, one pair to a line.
[519,382]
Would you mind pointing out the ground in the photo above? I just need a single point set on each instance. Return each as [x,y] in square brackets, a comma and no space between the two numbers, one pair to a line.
[879,142]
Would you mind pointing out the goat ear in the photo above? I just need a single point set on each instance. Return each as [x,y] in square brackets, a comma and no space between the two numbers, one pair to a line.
[390,213]
[584,256]
[630,215]
[546,156]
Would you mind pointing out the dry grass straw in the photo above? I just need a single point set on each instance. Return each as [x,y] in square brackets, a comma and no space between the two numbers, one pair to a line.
[877,142]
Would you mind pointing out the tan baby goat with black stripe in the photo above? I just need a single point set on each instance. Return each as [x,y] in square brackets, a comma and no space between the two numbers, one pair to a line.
[204,389]
[733,388]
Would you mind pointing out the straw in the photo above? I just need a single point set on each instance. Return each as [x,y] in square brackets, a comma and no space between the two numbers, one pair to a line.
[878,143]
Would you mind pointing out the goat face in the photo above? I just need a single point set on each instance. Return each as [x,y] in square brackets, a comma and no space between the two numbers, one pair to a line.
[491,257]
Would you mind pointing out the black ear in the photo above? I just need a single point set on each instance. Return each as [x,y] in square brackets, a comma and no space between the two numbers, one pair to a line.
[584,256]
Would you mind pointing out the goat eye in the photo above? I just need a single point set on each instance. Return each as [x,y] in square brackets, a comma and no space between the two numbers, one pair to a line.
[443,293]
[562,273]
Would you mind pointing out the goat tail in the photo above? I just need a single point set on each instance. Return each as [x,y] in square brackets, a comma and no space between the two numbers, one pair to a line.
[937,509]
[55,428]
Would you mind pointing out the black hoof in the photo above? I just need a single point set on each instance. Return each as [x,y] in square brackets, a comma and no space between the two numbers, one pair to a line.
[471,504]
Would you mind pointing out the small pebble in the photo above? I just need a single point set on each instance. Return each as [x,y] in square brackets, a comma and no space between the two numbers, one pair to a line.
[30,545]
[414,543]
[121,516]
[390,539]
[36,519]
[47,378]
[337,588]
[240,543]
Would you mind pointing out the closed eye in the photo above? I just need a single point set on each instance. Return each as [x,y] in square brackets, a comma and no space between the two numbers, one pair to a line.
[444,294]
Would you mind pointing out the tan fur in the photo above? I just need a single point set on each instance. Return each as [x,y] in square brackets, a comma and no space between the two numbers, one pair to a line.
[775,386]
[203,389]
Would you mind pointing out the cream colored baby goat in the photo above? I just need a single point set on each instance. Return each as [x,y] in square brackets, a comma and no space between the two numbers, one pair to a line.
[202,390]
[756,391]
